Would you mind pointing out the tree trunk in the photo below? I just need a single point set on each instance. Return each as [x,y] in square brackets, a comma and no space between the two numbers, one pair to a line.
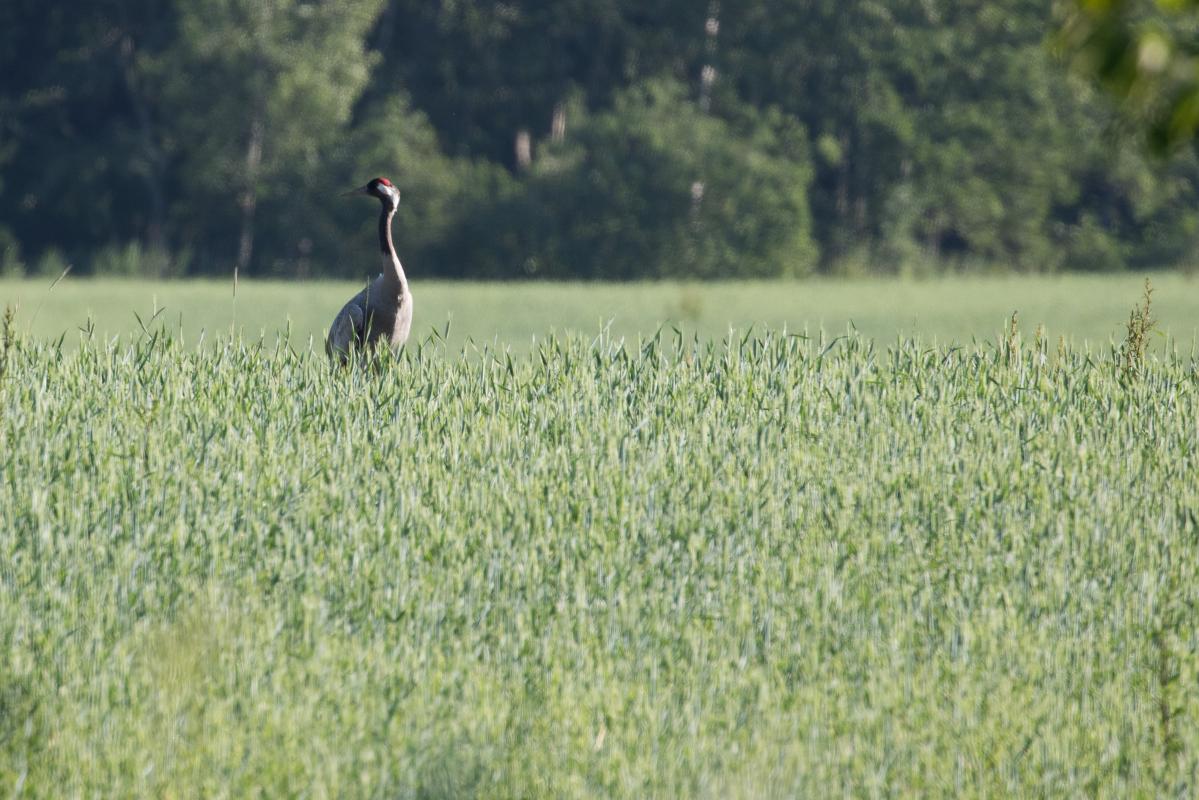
[249,197]
[842,192]
[558,125]
[707,75]
[152,173]
[524,149]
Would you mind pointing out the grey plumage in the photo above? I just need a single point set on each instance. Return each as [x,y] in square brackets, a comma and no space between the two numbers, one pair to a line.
[382,312]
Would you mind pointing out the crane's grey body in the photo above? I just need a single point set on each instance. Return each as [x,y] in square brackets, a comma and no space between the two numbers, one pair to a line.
[379,314]
[382,312]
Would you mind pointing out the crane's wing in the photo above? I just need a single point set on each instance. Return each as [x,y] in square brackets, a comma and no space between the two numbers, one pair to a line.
[347,332]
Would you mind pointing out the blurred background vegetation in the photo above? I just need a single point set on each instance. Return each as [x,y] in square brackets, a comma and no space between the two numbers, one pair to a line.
[592,139]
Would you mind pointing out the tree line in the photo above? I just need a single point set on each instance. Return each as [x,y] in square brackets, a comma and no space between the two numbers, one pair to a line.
[572,139]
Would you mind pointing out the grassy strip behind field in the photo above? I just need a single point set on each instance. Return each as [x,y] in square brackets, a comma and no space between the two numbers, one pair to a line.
[1078,307]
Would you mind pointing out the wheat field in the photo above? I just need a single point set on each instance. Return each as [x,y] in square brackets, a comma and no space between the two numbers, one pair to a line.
[766,565]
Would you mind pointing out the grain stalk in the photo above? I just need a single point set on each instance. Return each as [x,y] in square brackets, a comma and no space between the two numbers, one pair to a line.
[1140,326]
[1167,675]
[7,339]
[1011,349]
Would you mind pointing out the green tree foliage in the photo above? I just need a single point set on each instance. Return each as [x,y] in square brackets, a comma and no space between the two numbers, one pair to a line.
[278,79]
[1147,53]
[81,161]
[838,68]
[485,71]
[943,131]
[388,138]
[592,138]
[654,187]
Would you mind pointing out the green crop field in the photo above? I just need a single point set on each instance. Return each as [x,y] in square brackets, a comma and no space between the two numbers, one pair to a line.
[601,566]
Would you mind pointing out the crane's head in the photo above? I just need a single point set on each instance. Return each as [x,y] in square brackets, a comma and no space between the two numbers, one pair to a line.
[383,189]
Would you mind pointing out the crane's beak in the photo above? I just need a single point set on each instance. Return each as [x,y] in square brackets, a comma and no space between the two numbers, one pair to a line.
[359,190]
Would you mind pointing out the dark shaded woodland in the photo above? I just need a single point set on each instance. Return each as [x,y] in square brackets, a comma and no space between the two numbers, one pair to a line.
[571,139]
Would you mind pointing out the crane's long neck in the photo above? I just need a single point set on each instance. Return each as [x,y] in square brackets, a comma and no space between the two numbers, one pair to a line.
[393,271]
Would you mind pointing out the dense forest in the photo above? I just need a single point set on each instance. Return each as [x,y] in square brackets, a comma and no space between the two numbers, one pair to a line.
[573,139]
